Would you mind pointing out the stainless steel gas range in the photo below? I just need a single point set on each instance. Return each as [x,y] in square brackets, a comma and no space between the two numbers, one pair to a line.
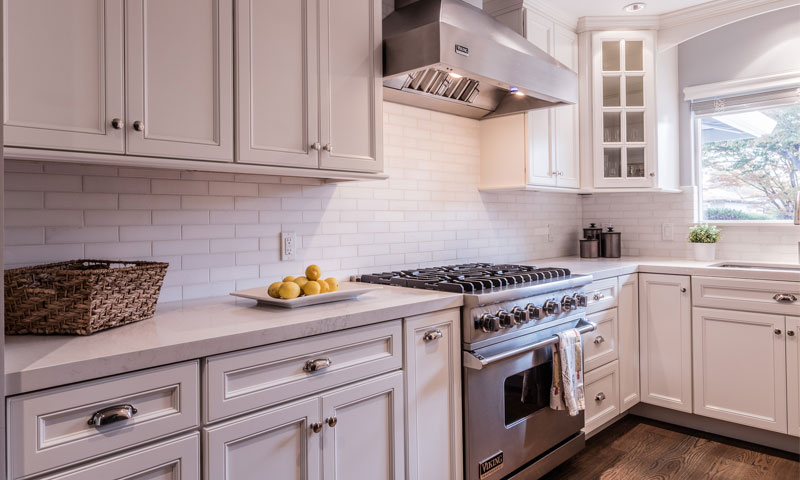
[509,322]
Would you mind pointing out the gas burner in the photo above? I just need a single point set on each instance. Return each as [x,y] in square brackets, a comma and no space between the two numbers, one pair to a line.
[473,278]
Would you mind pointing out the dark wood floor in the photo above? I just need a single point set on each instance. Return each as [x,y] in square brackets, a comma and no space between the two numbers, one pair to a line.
[636,449]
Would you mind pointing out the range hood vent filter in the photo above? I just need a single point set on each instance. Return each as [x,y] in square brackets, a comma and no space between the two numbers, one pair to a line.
[442,84]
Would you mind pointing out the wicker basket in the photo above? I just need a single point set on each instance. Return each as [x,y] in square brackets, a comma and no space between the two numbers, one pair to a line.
[80,297]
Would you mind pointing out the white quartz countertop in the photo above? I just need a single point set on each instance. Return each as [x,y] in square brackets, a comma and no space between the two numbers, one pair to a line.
[192,329]
[601,268]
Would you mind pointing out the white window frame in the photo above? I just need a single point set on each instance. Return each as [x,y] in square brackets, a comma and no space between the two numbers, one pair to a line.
[733,88]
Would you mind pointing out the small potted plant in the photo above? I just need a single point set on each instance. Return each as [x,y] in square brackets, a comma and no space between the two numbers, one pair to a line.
[705,238]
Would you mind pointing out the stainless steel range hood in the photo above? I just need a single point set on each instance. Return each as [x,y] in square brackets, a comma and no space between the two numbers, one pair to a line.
[450,56]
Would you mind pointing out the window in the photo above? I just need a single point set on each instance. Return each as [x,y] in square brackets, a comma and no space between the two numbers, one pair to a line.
[748,149]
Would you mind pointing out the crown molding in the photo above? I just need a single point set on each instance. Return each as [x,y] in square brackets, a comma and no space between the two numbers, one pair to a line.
[619,22]
[499,7]
[715,8]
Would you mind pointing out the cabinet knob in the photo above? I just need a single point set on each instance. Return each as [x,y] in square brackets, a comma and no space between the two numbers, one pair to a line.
[600,397]
[331,421]
[790,333]
[316,146]
[138,125]
[599,339]
[683,289]
[316,427]
[432,335]
[652,174]
[778,331]
[117,124]
[328,147]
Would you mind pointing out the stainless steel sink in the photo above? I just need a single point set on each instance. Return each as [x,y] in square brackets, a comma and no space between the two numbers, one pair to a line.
[775,267]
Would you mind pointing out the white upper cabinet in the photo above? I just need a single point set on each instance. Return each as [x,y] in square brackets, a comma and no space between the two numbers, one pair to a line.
[179,74]
[351,117]
[537,148]
[64,74]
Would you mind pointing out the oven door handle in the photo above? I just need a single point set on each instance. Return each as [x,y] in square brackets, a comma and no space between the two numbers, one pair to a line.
[477,361]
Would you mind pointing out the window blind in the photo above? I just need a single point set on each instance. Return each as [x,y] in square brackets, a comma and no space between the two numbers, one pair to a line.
[741,103]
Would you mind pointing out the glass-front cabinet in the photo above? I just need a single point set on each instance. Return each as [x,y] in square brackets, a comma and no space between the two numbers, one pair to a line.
[623,109]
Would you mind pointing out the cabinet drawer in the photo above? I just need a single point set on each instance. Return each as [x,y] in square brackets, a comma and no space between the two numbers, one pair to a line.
[747,295]
[177,459]
[51,428]
[601,295]
[600,346]
[602,395]
[251,379]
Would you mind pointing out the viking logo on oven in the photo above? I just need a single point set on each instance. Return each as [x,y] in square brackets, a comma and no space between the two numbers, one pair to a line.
[490,465]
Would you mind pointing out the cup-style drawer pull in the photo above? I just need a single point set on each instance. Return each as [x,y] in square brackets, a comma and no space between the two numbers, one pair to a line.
[599,339]
[784,298]
[433,335]
[317,364]
[598,296]
[112,414]
[600,397]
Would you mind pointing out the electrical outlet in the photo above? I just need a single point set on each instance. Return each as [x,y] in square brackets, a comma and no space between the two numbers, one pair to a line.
[667,232]
[549,233]
[288,245]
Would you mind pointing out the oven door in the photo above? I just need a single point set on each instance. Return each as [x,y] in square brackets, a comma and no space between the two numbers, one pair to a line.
[507,414]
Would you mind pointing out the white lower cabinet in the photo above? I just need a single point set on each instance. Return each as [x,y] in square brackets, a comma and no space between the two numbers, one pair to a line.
[740,367]
[665,340]
[433,396]
[793,373]
[600,346]
[176,459]
[602,395]
[628,340]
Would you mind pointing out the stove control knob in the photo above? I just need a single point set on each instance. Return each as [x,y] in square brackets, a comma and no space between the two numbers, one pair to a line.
[506,319]
[488,323]
[535,313]
[580,299]
[521,315]
[550,307]
[568,303]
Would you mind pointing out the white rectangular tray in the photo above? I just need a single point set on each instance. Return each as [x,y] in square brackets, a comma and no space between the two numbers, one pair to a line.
[346,291]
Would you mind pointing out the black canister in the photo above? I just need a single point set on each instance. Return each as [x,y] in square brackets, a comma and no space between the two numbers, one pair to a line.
[593,232]
[611,244]
[590,248]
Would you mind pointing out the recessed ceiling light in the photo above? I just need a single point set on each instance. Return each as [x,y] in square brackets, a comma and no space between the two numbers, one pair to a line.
[634,7]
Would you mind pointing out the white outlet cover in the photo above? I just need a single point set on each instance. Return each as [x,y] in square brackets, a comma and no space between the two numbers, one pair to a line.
[288,246]
[667,231]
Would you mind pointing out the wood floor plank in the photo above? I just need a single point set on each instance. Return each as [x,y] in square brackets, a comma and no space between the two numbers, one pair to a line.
[640,449]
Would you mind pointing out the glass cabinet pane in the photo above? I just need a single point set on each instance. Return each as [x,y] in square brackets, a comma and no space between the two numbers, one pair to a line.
[634,91]
[634,126]
[634,59]
[611,92]
[611,56]
[635,162]
[612,127]
[612,162]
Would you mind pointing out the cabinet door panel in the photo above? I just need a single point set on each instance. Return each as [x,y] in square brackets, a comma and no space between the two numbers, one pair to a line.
[278,80]
[350,85]
[628,313]
[740,367]
[180,78]
[277,443]
[666,341]
[565,119]
[367,439]
[63,74]
[793,373]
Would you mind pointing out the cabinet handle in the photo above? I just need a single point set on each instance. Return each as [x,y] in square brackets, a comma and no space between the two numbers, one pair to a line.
[652,174]
[778,331]
[138,125]
[317,364]
[683,289]
[331,421]
[600,397]
[433,335]
[112,414]
[790,333]
[117,124]
[599,339]
[328,147]
[784,298]
[598,296]
[316,146]
[316,427]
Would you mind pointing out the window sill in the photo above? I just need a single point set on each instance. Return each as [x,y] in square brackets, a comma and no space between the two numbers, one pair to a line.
[748,223]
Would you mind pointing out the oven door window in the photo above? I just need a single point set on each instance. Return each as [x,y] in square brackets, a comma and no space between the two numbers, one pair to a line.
[527,392]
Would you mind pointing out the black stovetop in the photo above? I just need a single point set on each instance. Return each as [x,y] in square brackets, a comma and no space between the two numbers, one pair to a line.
[466,278]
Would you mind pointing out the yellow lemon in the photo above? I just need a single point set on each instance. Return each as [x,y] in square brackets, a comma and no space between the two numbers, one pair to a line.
[272,291]
[324,288]
[289,290]
[313,272]
[311,288]
[300,281]
[289,279]
[333,284]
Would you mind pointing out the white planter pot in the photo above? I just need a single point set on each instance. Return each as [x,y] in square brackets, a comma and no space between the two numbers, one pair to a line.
[705,252]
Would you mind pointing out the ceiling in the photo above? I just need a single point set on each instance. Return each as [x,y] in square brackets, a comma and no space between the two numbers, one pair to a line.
[606,8]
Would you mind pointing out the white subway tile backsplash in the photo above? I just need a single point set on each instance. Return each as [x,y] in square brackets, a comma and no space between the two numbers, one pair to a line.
[119,250]
[21,255]
[117,217]
[38,182]
[179,187]
[84,201]
[209,202]
[233,188]
[209,260]
[149,232]
[149,202]
[81,234]
[43,218]
[116,185]
[180,217]
[24,236]
[208,231]
[23,199]
[180,247]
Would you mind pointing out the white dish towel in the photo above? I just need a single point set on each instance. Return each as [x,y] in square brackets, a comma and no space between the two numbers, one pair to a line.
[567,390]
